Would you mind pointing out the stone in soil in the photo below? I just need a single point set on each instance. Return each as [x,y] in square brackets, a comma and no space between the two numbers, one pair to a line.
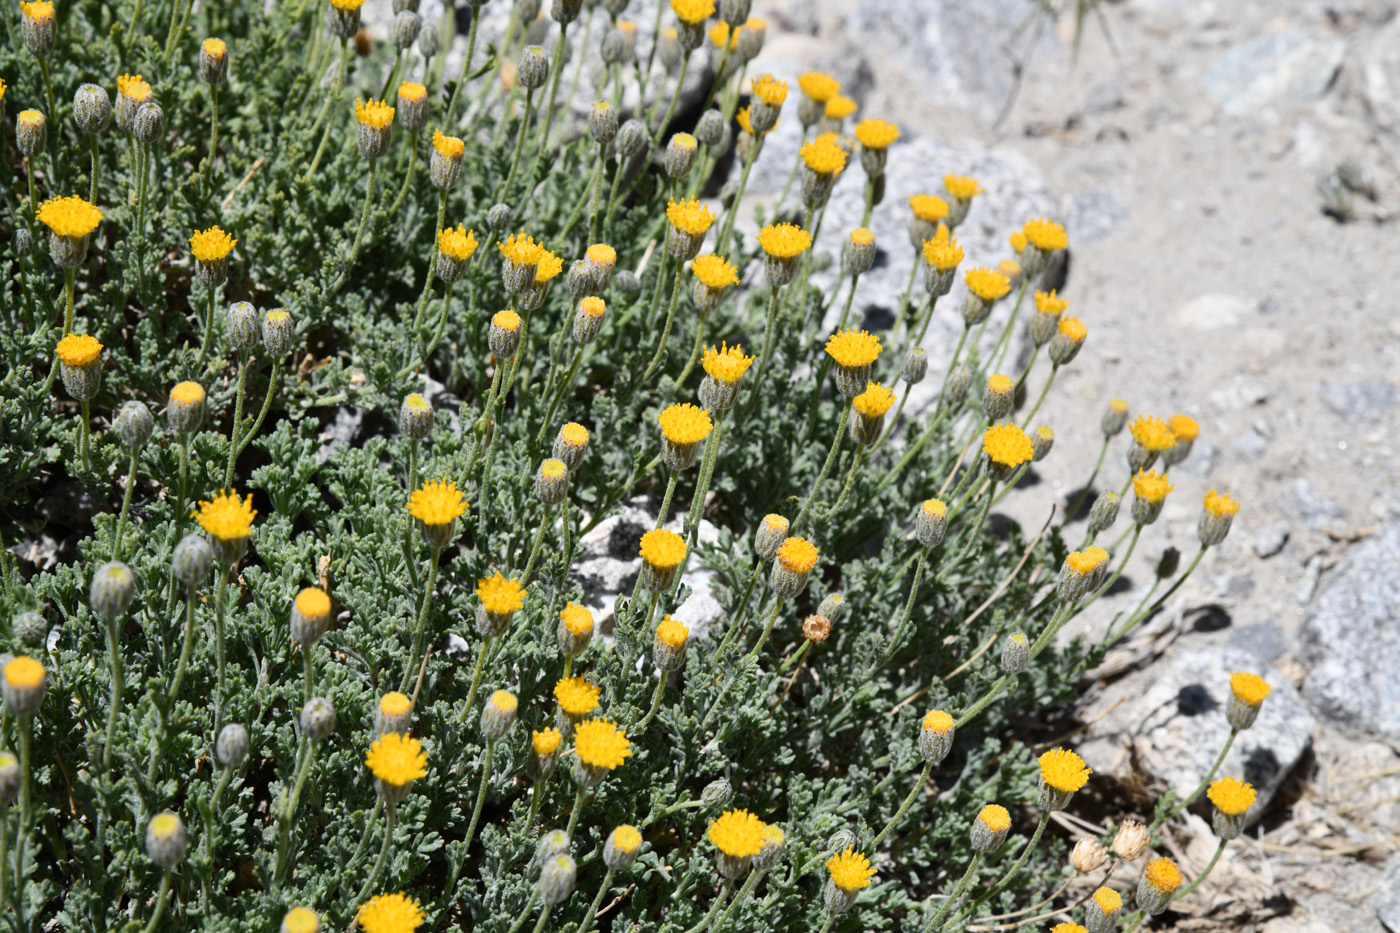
[1283,68]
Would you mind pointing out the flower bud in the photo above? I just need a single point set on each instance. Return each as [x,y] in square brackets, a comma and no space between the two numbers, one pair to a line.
[769,536]
[936,736]
[552,482]
[668,647]
[990,828]
[498,715]
[533,70]
[1104,910]
[959,381]
[717,794]
[318,719]
[31,133]
[23,240]
[614,48]
[185,411]
[579,279]
[24,682]
[792,565]
[232,746]
[1104,512]
[1064,346]
[92,108]
[625,280]
[602,123]
[277,332]
[997,398]
[242,326]
[557,874]
[112,590]
[343,22]
[428,42]
[393,715]
[840,841]
[631,139]
[709,130]
[1130,841]
[751,38]
[38,28]
[680,155]
[32,629]
[415,417]
[575,629]
[1247,694]
[621,848]
[555,842]
[311,616]
[774,845]
[407,25]
[931,523]
[1158,885]
[148,124]
[1015,653]
[400,6]
[213,62]
[1042,440]
[915,366]
[411,105]
[166,840]
[498,218]
[192,560]
[504,338]
[9,778]
[571,444]
[1115,417]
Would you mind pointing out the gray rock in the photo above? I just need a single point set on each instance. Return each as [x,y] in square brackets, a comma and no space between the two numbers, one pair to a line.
[1250,445]
[1357,399]
[1314,508]
[1094,214]
[1265,640]
[1284,68]
[1270,539]
[1239,394]
[1105,97]
[1350,643]
[1312,573]
[1212,311]
[1387,896]
[1173,725]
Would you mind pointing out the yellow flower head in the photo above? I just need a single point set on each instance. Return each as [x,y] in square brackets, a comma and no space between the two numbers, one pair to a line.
[853,348]
[937,721]
[349,5]
[29,118]
[928,207]
[1231,796]
[1109,900]
[1250,689]
[1045,235]
[211,245]
[1084,562]
[573,433]
[413,92]
[388,913]
[961,187]
[819,86]
[2,88]
[1007,445]
[1009,268]
[714,272]
[41,11]
[300,920]
[726,364]
[601,254]
[693,12]
[850,871]
[995,818]
[549,266]
[935,508]
[78,350]
[672,632]
[690,216]
[577,696]
[1219,504]
[1184,427]
[546,741]
[720,35]
[133,88]
[823,155]
[226,517]
[1018,242]
[69,217]
[1151,487]
[874,401]
[943,253]
[449,147]
[1000,384]
[1050,302]
[397,759]
[839,107]
[986,284]
[500,595]
[521,249]
[577,619]
[1068,928]
[459,244]
[862,236]
[770,90]
[313,601]
[506,320]
[797,555]
[601,744]
[1152,433]
[214,48]
[745,124]
[25,673]
[784,241]
[1162,874]
[1073,329]
[394,703]
[187,393]
[685,424]
[1063,770]
[662,548]
[626,838]
[874,133]
[437,502]
[737,833]
[376,113]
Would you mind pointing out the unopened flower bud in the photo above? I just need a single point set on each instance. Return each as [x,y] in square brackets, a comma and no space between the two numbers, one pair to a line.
[185,412]
[1015,653]
[990,828]
[505,334]
[38,28]
[557,876]
[31,133]
[614,49]
[343,22]
[213,61]
[931,523]
[533,70]
[709,130]
[192,560]
[1042,440]
[112,590]
[415,417]
[318,719]
[498,715]
[411,106]
[311,616]
[959,381]
[407,25]
[602,123]
[626,283]
[499,217]
[32,629]
[552,482]
[232,746]
[92,108]
[277,332]
[1104,512]
[680,155]
[166,840]
[1114,418]
[149,124]
[9,777]
[1158,885]
[631,139]
[936,736]
[769,536]
[23,687]
[840,841]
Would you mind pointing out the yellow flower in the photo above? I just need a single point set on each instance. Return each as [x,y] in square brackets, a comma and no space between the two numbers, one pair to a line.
[1219,504]
[187,393]
[986,284]
[214,48]
[1049,302]
[737,833]
[387,913]
[437,503]
[961,187]
[69,217]
[133,88]
[376,113]
[506,320]
[822,155]
[770,90]
[693,12]
[226,517]
[577,619]
[662,548]
[521,249]
[447,146]
[577,697]
[797,555]
[943,254]
[928,207]
[1068,928]
[874,133]
[391,704]
[1163,875]
[1184,427]
[601,744]
[853,348]
[874,401]
[211,245]
[414,92]
[1018,241]
[935,508]
[549,266]
[601,254]
[937,721]
[714,272]
[1000,384]
[720,35]
[25,673]
[995,818]
[850,871]
[1063,770]
[313,601]
[459,244]
[672,632]
[500,595]
[690,216]
[1231,796]
[1250,689]
[397,759]
[2,88]
[685,424]
[784,241]
[862,236]
[1073,328]
[1151,487]
[1082,562]
[78,350]
[41,10]
[1152,433]
[350,5]
[1007,445]
[300,920]
[1109,900]
[839,108]
[1045,235]
[546,741]
[726,364]
[819,86]
[626,838]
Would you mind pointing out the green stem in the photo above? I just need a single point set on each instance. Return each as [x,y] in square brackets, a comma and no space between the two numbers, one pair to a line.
[545,521]
[213,138]
[161,898]
[666,328]
[982,703]
[725,890]
[176,24]
[186,648]
[850,480]
[767,630]
[904,302]
[84,432]
[904,807]
[675,96]
[589,917]
[900,629]
[1220,847]
[114,657]
[1200,788]
[220,696]
[596,196]
[390,822]
[576,812]
[504,194]
[733,210]
[237,420]
[408,177]
[1015,867]
[359,231]
[290,808]
[416,657]
[1139,616]
[958,889]
[556,72]
[308,659]
[750,883]
[641,727]
[826,467]
[208,328]
[1088,486]
[26,780]
[476,676]
[69,277]
[92,185]
[272,381]
[519,923]
[559,394]
[1054,371]
[994,358]
[666,499]
[467,62]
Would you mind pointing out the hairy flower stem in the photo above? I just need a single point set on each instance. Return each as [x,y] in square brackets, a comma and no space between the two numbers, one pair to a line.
[176,682]
[447,117]
[419,628]
[92,180]
[767,630]
[503,194]
[850,480]
[1003,341]
[901,628]
[289,808]
[826,467]
[556,72]
[408,178]
[1137,617]
[592,914]
[1040,399]
[545,521]
[675,97]
[26,780]
[935,923]
[904,807]
[273,381]
[641,727]
[1013,870]
[84,432]
[237,420]
[755,876]
[720,899]
[332,94]
[1210,866]
[595,197]
[666,499]
[1200,788]
[733,210]
[735,624]
[213,140]
[154,923]
[563,389]
[666,328]
[360,230]
[221,691]
[207,327]
[390,822]
[530,902]
[904,301]
[177,25]
[114,660]
[697,499]
[481,791]
[476,677]
[69,277]
[984,701]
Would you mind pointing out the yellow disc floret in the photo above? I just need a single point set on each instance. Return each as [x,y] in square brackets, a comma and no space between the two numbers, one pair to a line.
[662,548]
[69,217]
[874,133]
[397,759]
[413,92]
[546,741]
[394,704]
[37,11]
[935,720]
[79,350]
[770,90]
[133,88]
[819,86]
[577,619]
[388,913]
[1045,235]
[300,920]
[685,424]
[1073,329]
[601,744]
[995,818]
[1221,505]
[784,241]
[1163,875]
[437,502]
[714,272]
[1184,427]
[822,155]
[1231,796]
[211,245]
[1050,302]
[693,12]
[1007,445]
[850,871]
[726,364]
[797,555]
[577,696]
[943,253]
[1152,433]
[499,594]
[25,673]
[928,207]
[853,348]
[226,517]
[1250,689]
[961,187]
[376,113]
[506,320]
[313,601]
[521,249]
[458,244]
[626,838]
[1151,487]
[689,216]
[672,632]
[447,146]
[1109,900]
[187,393]
[874,401]
[737,833]
[1063,770]
[839,107]
[986,284]
[548,267]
